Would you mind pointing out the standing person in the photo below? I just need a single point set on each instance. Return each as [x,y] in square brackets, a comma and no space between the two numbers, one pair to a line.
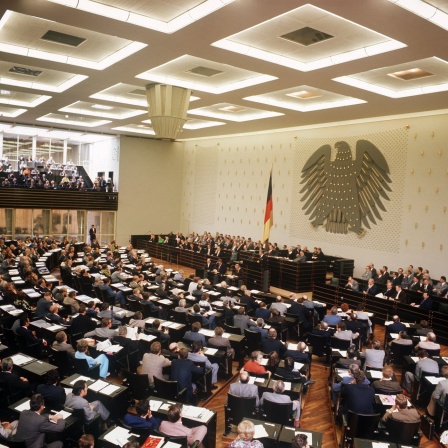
[92,233]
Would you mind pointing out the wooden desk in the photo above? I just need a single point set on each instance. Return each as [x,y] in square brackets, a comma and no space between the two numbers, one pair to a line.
[272,429]
[159,408]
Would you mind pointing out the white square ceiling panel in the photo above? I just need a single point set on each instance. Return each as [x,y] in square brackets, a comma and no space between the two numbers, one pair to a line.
[11,112]
[143,129]
[308,38]
[22,99]
[127,94]
[398,81]
[73,120]
[204,75]
[233,112]
[304,99]
[53,41]
[101,110]
[160,15]
[196,123]
[32,77]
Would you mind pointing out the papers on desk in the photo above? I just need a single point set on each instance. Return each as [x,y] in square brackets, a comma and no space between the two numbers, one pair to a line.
[264,362]
[109,390]
[16,312]
[165,302]
[209,333]
[343,353]
[173,325]
[166,406]
[147,337]
[434,380]
[380,445]
[55,327]
[210,351]
[298,365]
[131,332]
[98,385]
[342,373]
[260,432]
[81,377]
[422,338]
[20,360]
[155,405]
[195,413]
[414,358]
[8,307]
[24,406]
[118,436]
[287,385]
[387,400]
[64,414]
[259,379]
[393,335]
[376,374]
[33,295]
[232,288]
[227,336]
[308,434]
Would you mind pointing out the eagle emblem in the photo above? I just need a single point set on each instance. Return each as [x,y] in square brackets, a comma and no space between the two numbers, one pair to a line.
[344,194]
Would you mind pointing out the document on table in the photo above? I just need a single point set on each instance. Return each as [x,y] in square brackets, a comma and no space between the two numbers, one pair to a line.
[109,390]
[19,359]
[80,377]
[64,414]
[375,374]
[24,406]
[98,385]
[155,405]
[260,432]
[118,436]
[210,351]
[298,365]
[287,385]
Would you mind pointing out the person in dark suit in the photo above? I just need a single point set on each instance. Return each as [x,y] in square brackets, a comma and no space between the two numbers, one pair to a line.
[82,323]
[386,384]
[144,418]
[262,311]
[322,331]
[128,344]
[404,414]
[289,374]
[110,294]
[243,389]
[28,336]
[183,371]
[425,286]
[33,426]
[370,288]
[299,355]
[194,334]
[426,303]
[359,397]
[398,277]
[12,381]
[272,344]
[396,326]
[400,295]
[53,393]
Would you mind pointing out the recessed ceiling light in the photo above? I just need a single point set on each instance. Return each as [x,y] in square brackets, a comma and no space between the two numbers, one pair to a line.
[63,38]
[303,95]
[233,109]
[306,36]
[5,92]
[25,71]
[205,71]
[101,106]
[410,75]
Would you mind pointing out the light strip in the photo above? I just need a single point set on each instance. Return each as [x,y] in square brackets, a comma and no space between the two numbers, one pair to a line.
[203,9]
[230,117]
[260,79]
[304,108]
[285,61]
[14,114]
[425,10]
[73,123]
[39,100]
[202,124]
[389,92]
[45,87]
[130,49]
[103,114]
[136,130]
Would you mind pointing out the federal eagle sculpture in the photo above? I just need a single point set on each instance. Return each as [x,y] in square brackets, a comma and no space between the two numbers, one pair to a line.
[344,194]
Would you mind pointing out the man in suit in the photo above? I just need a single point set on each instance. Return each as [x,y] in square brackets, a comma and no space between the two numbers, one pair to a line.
[28,336]
[128,344]
[197,355]
[404,414]
[194,334]
[359,397]
[277,396]
[415,285]
[242,321]
[299,355]
[407,279]
[76,400]
[430,343]
[243,389]
[279,305]
[337,387]
[33,426]
[14,384]
[144,418]
[154,362]
[219,341]
[398,277]
[425,286]
[53,393]
[272,344]
[322,331]
[352,284]
[439,394]
[396,326]
[386,384]
[104,332]
[426,303]
[258,328]
[371,287]
[400,295]
[109,293]
[424,364]
[82,323]
[441,288]
[390,291]
[174,427]
[92,233]
[182,371]
[343,333]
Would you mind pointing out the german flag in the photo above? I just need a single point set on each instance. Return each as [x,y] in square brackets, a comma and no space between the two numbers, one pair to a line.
[269,213]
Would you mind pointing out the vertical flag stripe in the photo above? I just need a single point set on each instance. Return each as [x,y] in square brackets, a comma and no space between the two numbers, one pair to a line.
[269,213]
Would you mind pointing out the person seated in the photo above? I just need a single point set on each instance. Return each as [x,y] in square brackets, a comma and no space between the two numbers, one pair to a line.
[359,397]
[254,365]
[157,329]
[194,334]
[137,320]
[322,330]
[439,394]
[402,339]
[272,344]
[258,328]
[204,319]
[399,411]
[424,364]
[241,320]
[279,305]
[277,396]
[76,400]
[332,318]
[289,373]
[299,354]
[426,302]
[154,362]
[197,355]
[343,333]
[262,311]
[374,356]
[370,287]
[245,437]
[387,385]
[87,441]
[424,328]
[300,441]
[104,332]
[390,291]
[396,326]
[174,427]
[12,382]
[352,357]
[352,284]
[102,359]
[182,306]
[244,389]
[337,386]
[144,418]
[204,302]
[219,341]
[52,391]
[429,343]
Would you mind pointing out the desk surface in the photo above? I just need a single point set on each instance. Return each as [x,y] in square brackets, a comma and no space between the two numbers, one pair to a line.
[39,367]
[288,433]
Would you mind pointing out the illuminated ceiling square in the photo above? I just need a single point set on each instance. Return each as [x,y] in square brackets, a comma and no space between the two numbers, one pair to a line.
[96,110]
[350,41]
[223,111]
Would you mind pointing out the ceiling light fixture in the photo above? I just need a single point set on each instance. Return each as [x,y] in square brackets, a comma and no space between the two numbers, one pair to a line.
[425,10]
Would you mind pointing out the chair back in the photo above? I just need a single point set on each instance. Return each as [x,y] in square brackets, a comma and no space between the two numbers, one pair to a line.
[253,340]
[318,344]
[180,317]
[181,440]
[232,330]
[239,408]
[399,351]
[433,352]
[82,367]
[193,319]
[402,432]
[280,413]
[165,389]
[138,383]
[63,360]
[362,425]
[339,343]
[147,312]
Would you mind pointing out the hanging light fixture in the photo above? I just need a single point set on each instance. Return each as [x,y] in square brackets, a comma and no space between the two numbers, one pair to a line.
[168,106]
